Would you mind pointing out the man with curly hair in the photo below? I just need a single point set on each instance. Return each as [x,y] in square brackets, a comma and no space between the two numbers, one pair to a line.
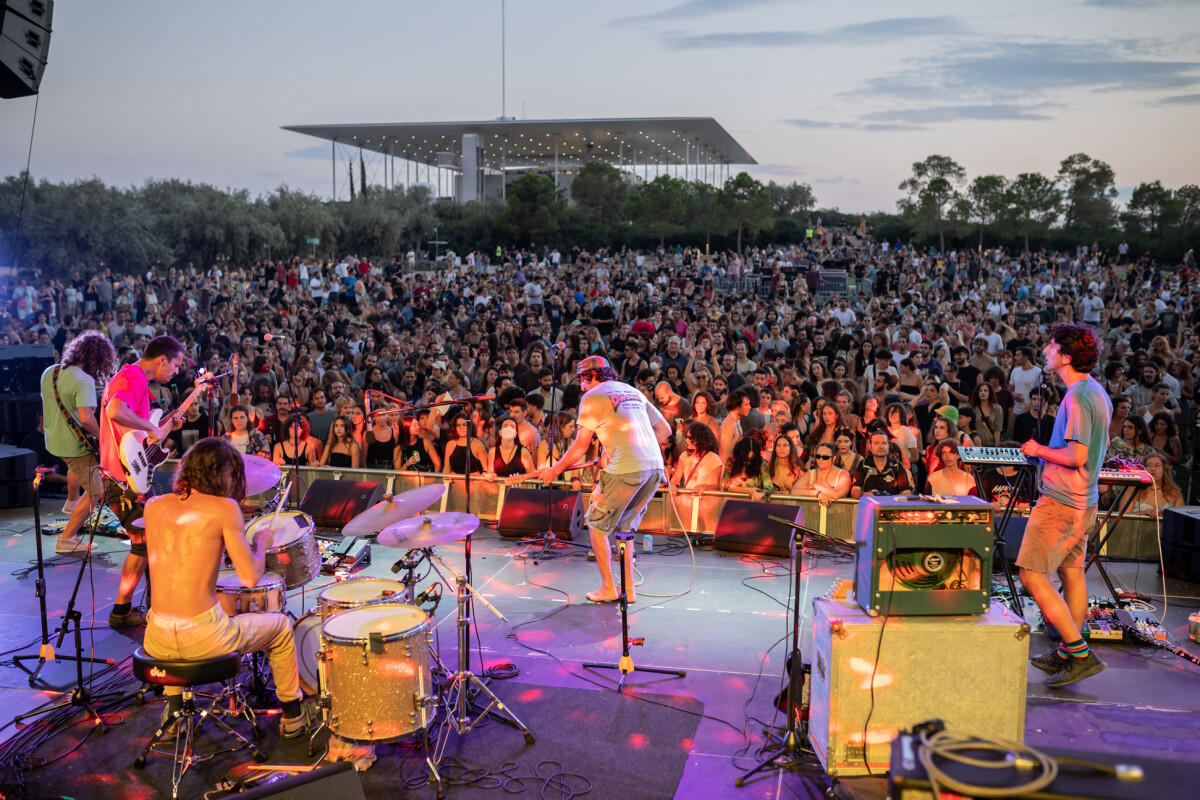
[87,359]
[1056,534]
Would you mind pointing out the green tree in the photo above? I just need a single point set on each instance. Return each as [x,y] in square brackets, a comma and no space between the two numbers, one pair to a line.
[300,216]
[931,194]
[988,199]
[1088,193]
[1189,197]
[534,209]
[659,208]
[747,206]
[705,211]
[600,190]
[1152,209]
[794,198]
[1033,203]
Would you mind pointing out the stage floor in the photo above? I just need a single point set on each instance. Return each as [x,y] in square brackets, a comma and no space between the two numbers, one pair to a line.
[726,632]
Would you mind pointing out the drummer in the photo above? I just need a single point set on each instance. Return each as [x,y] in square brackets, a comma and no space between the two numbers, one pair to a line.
[191,528]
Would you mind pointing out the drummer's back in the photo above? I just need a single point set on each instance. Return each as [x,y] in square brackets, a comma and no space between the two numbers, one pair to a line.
[185,538]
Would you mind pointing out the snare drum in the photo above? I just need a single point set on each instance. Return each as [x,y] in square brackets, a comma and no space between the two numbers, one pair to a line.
[294,553]
[358,592]
[377,672]
[269,595]
[306,633]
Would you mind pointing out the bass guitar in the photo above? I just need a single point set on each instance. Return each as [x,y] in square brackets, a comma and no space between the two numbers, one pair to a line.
[140,456]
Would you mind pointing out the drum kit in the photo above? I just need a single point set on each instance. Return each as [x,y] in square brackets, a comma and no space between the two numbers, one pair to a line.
[366,651]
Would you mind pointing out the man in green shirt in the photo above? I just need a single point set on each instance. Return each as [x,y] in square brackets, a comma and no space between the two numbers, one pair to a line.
[87,358]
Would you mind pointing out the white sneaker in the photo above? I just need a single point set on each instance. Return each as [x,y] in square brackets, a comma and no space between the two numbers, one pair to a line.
[68,547]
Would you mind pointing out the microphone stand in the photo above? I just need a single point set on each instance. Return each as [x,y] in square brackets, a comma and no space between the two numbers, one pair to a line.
[547,537]
[46,651]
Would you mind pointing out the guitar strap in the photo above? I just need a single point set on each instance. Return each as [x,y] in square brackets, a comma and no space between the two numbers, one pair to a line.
[84,438]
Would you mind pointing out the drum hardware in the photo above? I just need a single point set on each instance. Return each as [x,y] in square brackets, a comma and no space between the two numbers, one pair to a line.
[463,682]
[428,531]
[409,563]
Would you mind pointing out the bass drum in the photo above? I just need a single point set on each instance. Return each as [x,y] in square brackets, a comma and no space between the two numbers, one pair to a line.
[307,635]
[377,673]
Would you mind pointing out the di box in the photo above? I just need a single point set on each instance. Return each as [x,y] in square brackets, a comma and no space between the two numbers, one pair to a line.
[970,671]
[923,555]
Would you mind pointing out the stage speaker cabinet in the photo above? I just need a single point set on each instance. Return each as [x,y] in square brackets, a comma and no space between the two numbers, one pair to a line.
[970,671]
[918,555]
[332,503]
[336,781]
[24,45]
[743,527]
[1181,526]
[524,514]
[16,476]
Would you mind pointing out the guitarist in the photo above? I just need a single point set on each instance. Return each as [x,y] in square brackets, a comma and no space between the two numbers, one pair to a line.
[69,414]
[127,408]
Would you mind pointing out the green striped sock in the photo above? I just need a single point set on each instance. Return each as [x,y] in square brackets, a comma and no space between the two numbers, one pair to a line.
[1078,649]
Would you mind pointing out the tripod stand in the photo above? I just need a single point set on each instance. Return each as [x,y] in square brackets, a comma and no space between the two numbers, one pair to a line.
[80,697]
[625,665]
[793,737]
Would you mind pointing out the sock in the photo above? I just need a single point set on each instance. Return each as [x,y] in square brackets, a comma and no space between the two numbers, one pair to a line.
[1077,649]
[291,708]
[121,609]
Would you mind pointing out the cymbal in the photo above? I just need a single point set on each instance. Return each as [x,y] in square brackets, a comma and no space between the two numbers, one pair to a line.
[389,512]
[140,522]
[429,530]
[261,474]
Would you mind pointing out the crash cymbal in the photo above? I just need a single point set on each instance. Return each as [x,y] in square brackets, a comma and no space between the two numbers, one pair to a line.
[261,474]
[389,512]
[428,530]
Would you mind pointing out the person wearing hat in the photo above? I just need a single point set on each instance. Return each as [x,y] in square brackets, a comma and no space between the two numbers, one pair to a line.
[630,430]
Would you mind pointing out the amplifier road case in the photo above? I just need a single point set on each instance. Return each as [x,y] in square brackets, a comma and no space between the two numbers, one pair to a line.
[970,671]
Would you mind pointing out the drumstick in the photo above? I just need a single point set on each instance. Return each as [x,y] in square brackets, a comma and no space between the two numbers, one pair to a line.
[287,487]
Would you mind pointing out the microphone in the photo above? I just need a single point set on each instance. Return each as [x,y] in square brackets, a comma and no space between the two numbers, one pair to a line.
[267,337]
[431,592]
[558,348]
[367,403]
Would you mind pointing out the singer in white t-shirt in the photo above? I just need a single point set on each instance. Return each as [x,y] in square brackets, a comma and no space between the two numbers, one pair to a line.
[630,429]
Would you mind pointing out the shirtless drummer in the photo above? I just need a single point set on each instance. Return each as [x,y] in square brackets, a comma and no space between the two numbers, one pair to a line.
[189,530]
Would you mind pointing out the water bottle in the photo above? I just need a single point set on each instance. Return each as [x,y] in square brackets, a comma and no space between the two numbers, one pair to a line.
[647,544]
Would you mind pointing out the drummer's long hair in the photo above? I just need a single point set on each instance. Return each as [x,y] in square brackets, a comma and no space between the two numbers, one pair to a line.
[211,466]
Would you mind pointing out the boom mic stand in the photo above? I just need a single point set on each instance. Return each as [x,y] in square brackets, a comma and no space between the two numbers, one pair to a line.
[46,652]
[80,697]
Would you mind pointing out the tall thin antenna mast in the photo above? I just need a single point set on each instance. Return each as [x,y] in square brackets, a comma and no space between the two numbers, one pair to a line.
[503,71]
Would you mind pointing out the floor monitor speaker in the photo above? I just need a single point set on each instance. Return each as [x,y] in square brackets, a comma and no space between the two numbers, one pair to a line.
[743,527]
[332,503]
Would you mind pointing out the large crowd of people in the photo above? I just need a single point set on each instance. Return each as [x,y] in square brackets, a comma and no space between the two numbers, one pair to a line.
[772,382]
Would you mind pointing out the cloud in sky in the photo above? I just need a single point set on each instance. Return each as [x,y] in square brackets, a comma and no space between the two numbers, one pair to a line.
[316,151]
[873,32]
[1181,100]
[1027,69]
[1135,4]
[691,9]
[918,119]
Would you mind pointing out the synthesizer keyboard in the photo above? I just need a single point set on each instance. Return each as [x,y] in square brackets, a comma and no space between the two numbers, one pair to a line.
[1013,457]
[1125,477]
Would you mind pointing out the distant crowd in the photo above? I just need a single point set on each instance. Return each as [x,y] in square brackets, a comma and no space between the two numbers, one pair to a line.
[838,368]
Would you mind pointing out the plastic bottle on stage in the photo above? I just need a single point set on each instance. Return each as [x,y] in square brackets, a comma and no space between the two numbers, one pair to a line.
[647,544]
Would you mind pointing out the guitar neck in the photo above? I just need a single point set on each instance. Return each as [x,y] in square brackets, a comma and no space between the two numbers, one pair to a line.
[187,401]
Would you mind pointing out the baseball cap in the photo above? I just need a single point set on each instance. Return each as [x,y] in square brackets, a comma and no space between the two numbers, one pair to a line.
[592,362]
[439,364]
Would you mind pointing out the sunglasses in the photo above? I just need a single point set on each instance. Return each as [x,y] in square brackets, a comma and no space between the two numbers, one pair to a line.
[822,458]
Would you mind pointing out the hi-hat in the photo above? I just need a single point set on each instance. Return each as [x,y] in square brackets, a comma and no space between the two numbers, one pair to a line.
[261,474]
[389,512]
[429,530]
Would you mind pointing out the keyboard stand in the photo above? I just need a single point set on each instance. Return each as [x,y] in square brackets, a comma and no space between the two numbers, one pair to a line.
[1025,475]
[1125,494]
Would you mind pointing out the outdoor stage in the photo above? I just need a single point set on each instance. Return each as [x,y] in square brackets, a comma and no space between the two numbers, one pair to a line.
[726,633]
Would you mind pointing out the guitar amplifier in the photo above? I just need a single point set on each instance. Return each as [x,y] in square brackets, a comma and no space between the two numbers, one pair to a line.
[923,555]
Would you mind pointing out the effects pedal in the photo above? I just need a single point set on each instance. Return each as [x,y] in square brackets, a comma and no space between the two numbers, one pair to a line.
[349,554]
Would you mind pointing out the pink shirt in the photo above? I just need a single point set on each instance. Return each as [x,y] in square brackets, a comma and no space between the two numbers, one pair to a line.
[130,385]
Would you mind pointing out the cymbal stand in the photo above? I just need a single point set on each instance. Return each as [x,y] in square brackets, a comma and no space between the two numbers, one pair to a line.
[409,563]
[463,682]
[625,665]
[46,651]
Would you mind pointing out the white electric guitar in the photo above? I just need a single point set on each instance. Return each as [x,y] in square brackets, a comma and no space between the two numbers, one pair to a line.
[140,456]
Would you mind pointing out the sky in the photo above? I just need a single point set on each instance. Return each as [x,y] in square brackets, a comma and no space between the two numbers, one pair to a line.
[843,96]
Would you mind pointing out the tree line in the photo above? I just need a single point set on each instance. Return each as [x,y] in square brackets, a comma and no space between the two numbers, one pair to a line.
[61,227]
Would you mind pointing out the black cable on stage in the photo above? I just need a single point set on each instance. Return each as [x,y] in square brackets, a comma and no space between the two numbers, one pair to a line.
[879,648]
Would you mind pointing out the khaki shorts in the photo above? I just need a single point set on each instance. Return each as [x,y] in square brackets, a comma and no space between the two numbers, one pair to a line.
[623,500]
[1055,536]
[84,468]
